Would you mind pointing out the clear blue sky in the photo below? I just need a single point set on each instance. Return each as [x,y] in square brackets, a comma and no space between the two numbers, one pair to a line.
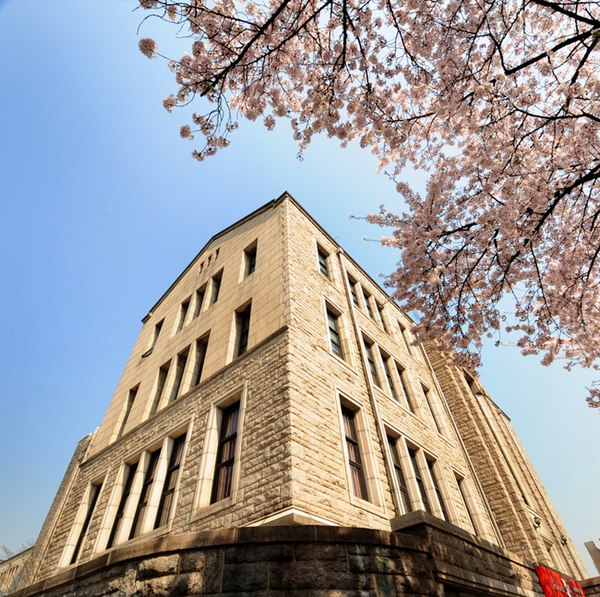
[102,207]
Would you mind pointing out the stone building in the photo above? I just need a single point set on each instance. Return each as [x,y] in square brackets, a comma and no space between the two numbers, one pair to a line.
[276,430]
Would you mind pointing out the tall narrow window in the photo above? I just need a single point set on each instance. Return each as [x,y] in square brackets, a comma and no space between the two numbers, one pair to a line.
[119,517]
[427,395]
[335,340]
[405,338]
[223,478]
[185,307]
[201,348]
[180,364]
[357,473]
[200,293]
[142,505]
[412,452]
[371,361]
[166,499]
[404,497]
[155,335]
[130,400]
[92,499]
[388,375]
[323,261]
[437,487]
[353,292]
[381,318]
[250,259]
[163,372]
[216,287]
[404,384]
[367,298]
[466,502]
[243,330]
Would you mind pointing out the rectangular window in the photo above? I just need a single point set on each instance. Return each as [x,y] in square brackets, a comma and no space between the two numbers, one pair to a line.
[163,372]
[371,362]
[404,384]
[180,364]
[466,502]
[166,499]
[185,307]
[155,335]
[335,340]
[427,395]
[243,330]
[412,452]
[143,502]
[367,298]
[119,518]
[437,487]
[404,497]
[380,312]
[201,348]
[353,292]
[130,400]
[223,477]
[216,287]
[388,374]
[323,261]
[200,293]
[357,473]
[405,338]
[92,499]
[250,259]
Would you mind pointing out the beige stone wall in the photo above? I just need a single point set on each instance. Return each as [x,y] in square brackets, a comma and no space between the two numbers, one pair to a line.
[529,523]
[291,463]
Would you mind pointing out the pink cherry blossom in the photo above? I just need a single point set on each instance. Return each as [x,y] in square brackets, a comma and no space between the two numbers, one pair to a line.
[499,102]
[147,47]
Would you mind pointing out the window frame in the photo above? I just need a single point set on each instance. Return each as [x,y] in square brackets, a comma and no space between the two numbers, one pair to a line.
[250,255]
[323,261]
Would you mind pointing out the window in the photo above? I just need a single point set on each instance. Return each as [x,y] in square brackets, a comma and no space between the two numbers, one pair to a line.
[157,329]
[352,283]
[335,340]
[143,500]
[460,482]
[180,364]
[130,473]
[250,259]
[201,348]
[412,453]
[163,372]
[216,287]
[388,375]
[243,330]
[223,477]
[427,395]
[93,494]
[357,473]
[380,312]
[404,384]
[166,499]
[437,487]
[185,306]
[200,293]
[323,257]
[371,362]
[130,400]
[367,298]
[404,497]
[405,338]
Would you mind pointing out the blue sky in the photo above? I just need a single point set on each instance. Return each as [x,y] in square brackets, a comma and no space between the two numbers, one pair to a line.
[102,207]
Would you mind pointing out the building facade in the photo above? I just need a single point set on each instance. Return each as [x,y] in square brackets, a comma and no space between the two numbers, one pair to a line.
[276,429]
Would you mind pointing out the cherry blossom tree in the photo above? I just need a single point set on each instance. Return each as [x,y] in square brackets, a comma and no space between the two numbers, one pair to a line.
[497,100]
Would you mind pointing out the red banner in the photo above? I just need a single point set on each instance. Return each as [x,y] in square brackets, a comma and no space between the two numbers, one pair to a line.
[557,585]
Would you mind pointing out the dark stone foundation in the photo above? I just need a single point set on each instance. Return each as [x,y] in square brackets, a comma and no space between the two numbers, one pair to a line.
[423,557]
